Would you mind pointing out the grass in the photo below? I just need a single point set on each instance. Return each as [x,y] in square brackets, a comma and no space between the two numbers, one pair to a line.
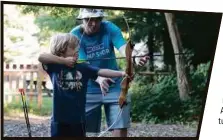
[16,107]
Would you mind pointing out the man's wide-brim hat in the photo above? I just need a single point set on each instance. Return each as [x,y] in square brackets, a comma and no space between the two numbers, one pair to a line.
[90,13]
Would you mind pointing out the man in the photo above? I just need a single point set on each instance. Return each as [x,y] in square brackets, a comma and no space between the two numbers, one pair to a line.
[98,39]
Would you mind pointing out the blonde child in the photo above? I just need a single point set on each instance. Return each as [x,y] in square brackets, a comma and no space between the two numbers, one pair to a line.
[69,80]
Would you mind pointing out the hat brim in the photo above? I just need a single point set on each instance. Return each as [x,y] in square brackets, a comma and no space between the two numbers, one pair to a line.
[90,16]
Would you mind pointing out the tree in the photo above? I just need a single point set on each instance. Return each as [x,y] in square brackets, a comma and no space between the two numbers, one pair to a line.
[50,20]
[182,78]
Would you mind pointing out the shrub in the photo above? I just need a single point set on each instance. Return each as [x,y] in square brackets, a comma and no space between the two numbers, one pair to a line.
[159,101]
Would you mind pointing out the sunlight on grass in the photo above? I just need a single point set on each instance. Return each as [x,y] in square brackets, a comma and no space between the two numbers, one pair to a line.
[16,107]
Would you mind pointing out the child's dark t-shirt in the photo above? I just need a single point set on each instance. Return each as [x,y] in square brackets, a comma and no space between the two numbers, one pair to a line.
[68,101]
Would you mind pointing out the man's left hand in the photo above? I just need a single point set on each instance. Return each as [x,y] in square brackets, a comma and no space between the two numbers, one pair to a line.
[141,61]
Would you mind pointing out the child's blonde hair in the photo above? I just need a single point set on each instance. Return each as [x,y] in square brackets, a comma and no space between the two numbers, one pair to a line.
[60,42]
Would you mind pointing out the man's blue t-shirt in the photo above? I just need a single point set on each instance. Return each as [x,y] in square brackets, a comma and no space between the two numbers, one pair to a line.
[68,101]
[98,46]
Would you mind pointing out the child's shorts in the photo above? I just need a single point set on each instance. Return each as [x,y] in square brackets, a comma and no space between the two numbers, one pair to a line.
[67,130]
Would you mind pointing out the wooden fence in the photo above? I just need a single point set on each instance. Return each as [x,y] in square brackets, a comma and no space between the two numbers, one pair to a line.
[31,77]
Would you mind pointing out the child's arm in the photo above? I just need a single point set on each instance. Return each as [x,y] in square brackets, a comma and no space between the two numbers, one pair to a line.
[47,58]
[110,73]
[94,72]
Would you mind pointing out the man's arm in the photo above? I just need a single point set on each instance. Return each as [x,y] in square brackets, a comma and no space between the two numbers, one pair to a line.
[47,58]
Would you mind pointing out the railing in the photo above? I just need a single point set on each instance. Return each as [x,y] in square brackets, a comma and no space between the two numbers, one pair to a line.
[31,77]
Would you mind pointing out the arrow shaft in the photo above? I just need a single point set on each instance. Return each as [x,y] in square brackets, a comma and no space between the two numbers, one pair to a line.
[84,60]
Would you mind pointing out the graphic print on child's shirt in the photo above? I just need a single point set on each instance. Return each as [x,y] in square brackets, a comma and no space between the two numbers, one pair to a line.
[69,80]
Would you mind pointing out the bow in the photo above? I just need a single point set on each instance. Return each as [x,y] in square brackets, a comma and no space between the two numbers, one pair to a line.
[129,71]
[126,81]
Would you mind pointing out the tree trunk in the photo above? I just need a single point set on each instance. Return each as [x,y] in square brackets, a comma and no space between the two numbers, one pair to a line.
[151,51]
[168,55]
[182,79]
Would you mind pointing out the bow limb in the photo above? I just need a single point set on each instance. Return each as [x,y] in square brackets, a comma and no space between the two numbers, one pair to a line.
[129,71]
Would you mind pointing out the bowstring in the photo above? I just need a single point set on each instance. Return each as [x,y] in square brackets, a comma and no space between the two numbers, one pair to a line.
[122,108]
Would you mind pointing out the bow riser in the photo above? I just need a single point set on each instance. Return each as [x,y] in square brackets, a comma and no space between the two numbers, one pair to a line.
[129,71]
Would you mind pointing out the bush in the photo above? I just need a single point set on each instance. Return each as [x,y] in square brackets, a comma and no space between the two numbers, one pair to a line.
[159,101]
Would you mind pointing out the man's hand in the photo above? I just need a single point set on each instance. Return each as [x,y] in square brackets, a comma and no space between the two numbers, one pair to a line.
[104,84]
[141,61]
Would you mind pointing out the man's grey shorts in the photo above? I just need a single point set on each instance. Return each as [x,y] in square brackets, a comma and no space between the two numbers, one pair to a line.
[94,114]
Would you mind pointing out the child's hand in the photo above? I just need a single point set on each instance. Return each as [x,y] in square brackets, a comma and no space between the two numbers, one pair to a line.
[70,61]
[123,74]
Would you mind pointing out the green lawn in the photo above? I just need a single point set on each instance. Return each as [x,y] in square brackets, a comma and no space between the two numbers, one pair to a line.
[17,107]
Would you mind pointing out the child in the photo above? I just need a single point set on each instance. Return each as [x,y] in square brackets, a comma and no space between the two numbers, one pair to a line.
[69,81]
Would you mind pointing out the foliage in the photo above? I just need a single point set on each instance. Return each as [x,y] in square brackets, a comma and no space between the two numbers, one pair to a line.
[50,20]
[195,30]
[159,101]
[11,24]
[16,38]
